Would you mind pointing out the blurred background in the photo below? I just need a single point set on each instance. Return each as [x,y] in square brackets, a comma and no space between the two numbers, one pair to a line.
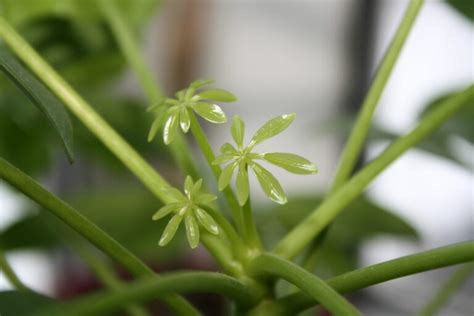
[311,57]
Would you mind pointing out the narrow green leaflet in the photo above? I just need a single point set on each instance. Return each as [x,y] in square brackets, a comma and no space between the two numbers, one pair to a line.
[170,129]
[48,104]
[207,221]
[170,230]
[226,175]
[273,127]
[165,210]
[192,231]
[211,112]
[238,130]
[197,84]
[269,184]
[228,149]
[220,95]
[242,185]
[184,120]
[291,162]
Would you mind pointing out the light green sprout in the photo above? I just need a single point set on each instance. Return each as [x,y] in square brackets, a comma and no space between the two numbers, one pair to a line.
[243,157]
[190,207]
[176,112]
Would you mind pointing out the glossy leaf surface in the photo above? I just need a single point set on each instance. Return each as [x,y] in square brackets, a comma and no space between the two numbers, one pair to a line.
[220,95]
[273,127]
[291,162]
[210,112]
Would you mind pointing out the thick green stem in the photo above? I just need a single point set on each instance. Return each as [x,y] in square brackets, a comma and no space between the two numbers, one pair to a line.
[447,290]
[208,153]
[106,276]
[269,265]
[86,228]
[385,271]
[146,290]
[10,274]
[362,125]
[303,233]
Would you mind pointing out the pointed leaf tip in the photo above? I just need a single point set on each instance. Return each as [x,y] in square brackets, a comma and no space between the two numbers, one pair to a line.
[273,127]
[291,162]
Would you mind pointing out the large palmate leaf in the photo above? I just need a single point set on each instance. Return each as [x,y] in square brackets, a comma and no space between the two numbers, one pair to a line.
[49,105]
[15,303]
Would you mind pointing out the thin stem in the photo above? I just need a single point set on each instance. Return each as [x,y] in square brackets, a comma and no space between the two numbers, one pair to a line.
[362,125]
[447,290]
[302,234]
[208,153]
[250,229]
[126,39]
[265,265]
[86,228]
[385,271]
[104,274]
[10,274]
[146,290]
[223,253]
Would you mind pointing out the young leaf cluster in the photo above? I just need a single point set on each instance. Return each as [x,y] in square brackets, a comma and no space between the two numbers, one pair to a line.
[187,207]
[242,158]
[175,112]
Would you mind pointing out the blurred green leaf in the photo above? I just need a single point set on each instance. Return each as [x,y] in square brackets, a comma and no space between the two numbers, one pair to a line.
[465,7]
[238,130]
[15,303]
[210,112]
[269,184]
[49,105]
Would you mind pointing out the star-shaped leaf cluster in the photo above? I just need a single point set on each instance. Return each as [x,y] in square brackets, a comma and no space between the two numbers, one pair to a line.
[175,112]
[242,158]
[190,208]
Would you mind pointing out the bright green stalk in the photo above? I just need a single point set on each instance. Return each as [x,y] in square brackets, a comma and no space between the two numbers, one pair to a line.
[303,233]
[208,153]
[269,265]
[105,275]
[146,290]
[126,40]
[362,125]
[386,271]
[447,290]
[86,228]
[10,274]
[128,45]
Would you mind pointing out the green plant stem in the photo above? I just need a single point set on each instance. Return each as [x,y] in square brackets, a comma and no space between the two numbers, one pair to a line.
[93,121]
[126,39]
[146,290]
[308,229]
[385,271]
[269,265]
[447,290]
[10,274]
[228,229]
[86,228]
[105,275]
[357,137]
[208,153]
[250,227]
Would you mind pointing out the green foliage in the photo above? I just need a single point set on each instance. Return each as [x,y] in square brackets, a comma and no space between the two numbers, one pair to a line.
[188,206]
[15,303]
[464,7]
[176,112]
[243,157]
[49,105]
